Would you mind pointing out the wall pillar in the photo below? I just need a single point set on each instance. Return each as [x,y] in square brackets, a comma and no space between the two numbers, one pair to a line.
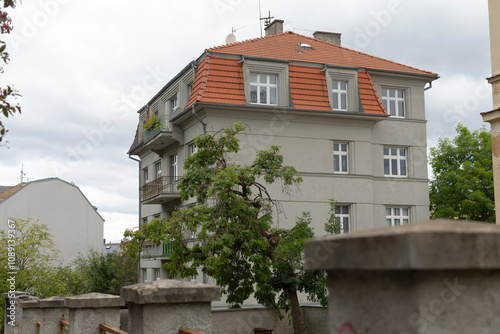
[435,277]
[31,315]
[13,312]
[87,311]
[165,306]
[53,311]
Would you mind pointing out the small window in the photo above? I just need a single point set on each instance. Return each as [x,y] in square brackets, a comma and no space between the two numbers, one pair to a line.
[157,274]
[173,105]
[342,216]
[158,169]
[397,216]
[341,158]
[193,149]
[395,162]
[144,275]
[174,172]
[339,95]
[145,175]
[393,101]
[263,89]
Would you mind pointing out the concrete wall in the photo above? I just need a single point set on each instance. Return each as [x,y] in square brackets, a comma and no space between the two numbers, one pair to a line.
[74,224]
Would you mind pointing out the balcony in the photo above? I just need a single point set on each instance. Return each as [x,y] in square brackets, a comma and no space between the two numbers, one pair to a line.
[159,136]
[161,191]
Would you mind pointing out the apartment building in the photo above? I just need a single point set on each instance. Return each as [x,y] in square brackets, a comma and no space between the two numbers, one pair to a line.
[352,124]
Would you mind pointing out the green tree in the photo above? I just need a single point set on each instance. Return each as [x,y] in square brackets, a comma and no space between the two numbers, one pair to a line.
[237,243]
[30,256]
[7,93]
[462,187]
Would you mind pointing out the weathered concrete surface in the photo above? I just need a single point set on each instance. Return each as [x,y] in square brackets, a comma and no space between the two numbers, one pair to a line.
[87,311]
[169,291]
[16,313]
[436,244]
[434,277]
[53,310]
[243,321]
[165,306]
[30,316]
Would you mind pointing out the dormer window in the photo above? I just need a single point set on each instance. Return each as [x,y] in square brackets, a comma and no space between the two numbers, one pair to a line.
[266,82]
[339,95]
[264,89]
[393,101]
[342,88]
[173,105]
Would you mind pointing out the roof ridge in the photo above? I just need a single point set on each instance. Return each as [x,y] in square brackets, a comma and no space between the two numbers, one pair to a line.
[247,41]
[364,54]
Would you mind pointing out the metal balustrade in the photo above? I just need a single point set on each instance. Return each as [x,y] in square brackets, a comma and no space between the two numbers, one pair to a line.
[159,186]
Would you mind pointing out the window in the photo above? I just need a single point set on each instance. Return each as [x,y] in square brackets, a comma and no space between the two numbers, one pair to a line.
[397,216]
[158,169]
[193,278]
[340,158]
[173,105]
[145,176]
[174,166]
[342,88]
[339,95]
[263,89]
[193,149]
[395,162]
[342,216]
[266,82]
[144,275]
[157,274]
[393,101]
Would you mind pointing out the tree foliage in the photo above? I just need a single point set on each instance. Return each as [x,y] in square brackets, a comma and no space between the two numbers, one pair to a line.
[237,242]
[462,187]
[7,93]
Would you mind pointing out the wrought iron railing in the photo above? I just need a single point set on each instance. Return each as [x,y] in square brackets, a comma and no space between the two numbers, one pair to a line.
[163,125]
[162,185]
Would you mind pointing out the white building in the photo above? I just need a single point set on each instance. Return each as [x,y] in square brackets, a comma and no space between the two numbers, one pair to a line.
[74,224]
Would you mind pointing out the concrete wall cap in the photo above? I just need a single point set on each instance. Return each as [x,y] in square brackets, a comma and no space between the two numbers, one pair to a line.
[432,245]
[93,300]
[55,301]
[29,303]
[169,291]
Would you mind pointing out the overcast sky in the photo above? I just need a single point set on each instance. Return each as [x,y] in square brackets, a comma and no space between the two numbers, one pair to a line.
[84,68]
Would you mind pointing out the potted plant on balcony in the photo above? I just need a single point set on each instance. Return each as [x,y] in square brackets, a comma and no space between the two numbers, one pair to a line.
[153,122]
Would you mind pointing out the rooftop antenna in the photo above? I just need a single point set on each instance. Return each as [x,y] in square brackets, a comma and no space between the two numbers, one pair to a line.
[22,174]
[231,38]
[267,20]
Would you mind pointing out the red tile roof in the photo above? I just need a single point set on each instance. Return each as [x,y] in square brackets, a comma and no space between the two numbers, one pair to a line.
[285,46]
[368,95]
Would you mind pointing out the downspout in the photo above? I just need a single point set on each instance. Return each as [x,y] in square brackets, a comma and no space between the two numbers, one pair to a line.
[138,262]
[204,125]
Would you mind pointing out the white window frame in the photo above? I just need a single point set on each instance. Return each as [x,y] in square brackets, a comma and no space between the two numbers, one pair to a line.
[174,104]
[396,216]
[344,218]
[352,93]
[269,86]
[145,175]
[393,154]
[174,165]
[157,274]
[399,108]
[277,68]
[158,169]
[341,156]
[341,94]
[192,149]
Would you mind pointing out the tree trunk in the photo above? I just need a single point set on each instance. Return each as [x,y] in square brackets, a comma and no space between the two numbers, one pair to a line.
[299,326]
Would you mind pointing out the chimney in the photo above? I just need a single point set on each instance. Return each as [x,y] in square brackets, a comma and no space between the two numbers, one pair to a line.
[330,37]
[276,27]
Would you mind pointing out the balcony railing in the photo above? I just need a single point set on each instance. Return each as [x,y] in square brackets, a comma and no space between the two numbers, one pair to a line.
[163,188]
[168,248]
[163,125]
